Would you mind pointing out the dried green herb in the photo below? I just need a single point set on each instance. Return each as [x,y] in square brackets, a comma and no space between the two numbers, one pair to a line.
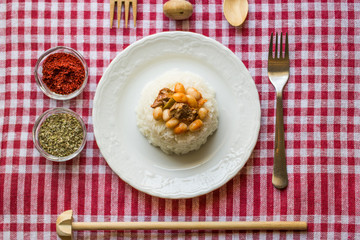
[61,134]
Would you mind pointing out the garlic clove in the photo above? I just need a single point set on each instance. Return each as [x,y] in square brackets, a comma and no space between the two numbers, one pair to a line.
[178,9]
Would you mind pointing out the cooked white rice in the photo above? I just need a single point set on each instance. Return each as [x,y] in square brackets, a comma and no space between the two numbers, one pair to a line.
[157,133]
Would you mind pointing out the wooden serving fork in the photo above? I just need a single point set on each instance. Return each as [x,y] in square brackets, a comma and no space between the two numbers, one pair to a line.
[126,7]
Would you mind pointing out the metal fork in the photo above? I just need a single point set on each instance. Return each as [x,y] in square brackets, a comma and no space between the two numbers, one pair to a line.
[278,71]
[126,8]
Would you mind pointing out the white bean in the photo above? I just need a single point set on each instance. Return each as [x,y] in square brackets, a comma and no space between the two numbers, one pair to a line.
[179,88]
[173,122]
[157,113]
[166,115]
[191,101]
[193,92]
[195,125]
[179,97]
[203,113]
[181,128]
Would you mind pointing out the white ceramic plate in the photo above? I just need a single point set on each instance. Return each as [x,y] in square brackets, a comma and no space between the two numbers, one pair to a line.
[146,167]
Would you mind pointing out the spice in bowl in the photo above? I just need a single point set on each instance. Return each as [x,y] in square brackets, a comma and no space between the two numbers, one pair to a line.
[59,134]
[61,73]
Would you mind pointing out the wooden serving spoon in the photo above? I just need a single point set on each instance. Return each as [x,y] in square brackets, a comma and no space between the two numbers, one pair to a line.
[236,11]
[65,225]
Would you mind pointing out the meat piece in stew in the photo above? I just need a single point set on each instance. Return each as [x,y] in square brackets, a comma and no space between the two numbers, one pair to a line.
[162,98]
[183,112]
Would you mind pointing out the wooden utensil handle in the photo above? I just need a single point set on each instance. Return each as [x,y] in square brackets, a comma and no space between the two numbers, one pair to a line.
[189,225]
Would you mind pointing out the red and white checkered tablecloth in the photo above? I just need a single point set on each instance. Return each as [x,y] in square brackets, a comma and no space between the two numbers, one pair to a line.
[321,117]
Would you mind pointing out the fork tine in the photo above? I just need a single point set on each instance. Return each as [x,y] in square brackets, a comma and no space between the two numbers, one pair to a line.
[281,47]
[112,9]
[276,46]
[286,47]
[271,46]
[127,6]
[134,7]
[118,12]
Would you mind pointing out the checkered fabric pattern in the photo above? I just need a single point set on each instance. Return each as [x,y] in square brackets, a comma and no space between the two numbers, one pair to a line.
[321,117]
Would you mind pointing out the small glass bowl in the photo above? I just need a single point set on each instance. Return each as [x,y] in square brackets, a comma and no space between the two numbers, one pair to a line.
[39,75]
[40,121]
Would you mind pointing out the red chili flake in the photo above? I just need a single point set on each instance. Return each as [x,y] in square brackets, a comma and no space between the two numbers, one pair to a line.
[63,73]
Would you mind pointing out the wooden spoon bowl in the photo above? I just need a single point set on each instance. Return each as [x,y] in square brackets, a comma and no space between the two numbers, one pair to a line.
[236,11]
